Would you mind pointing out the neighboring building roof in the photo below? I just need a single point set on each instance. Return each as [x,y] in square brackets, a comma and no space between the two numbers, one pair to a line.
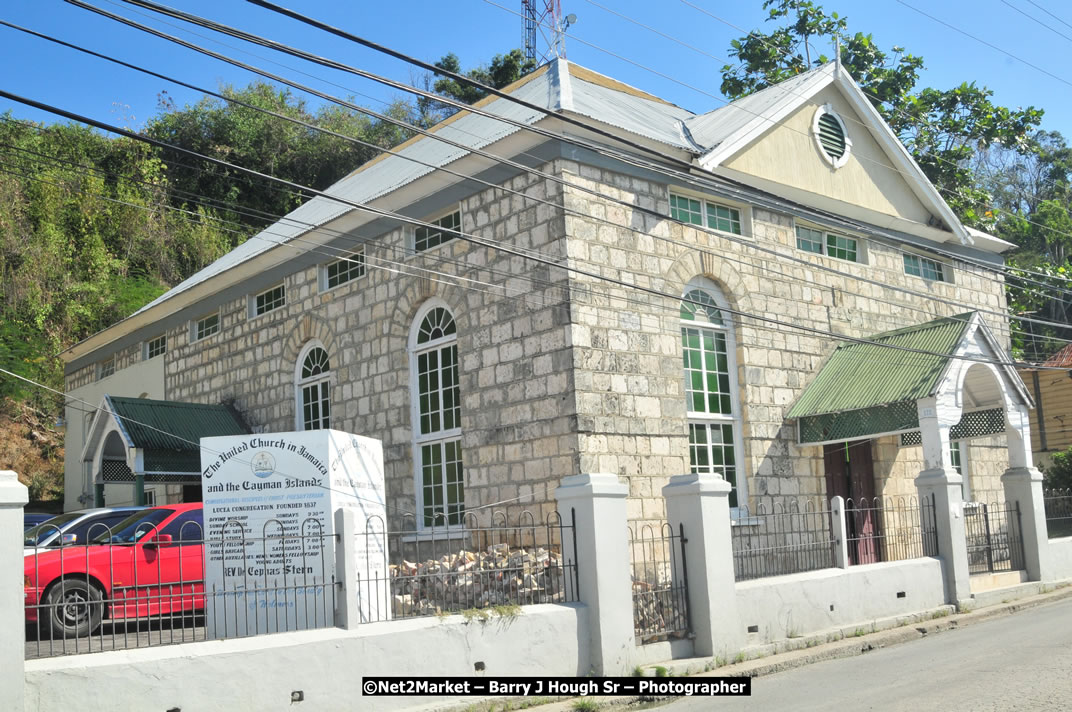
[862,375]
[1061,359]
[169,432]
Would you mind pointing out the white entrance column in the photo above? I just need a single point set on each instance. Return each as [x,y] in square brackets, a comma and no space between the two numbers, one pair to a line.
[701,504]
[596,505]
[938,478]
[1022,483]
[13,498]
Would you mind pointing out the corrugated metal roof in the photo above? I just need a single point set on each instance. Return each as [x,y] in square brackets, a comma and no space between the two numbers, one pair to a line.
[865,375]
[714,127]
[624,109]
[169,425]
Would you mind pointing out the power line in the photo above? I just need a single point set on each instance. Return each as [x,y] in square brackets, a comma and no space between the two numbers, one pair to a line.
[478,240]
[684,177]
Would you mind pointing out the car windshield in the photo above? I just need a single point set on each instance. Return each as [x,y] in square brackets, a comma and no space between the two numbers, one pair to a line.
[35,535]
[133,527]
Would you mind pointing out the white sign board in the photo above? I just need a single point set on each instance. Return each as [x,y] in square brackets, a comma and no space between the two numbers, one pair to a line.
[270,501]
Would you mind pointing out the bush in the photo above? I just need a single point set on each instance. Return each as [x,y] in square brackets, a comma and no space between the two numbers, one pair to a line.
[1059,474]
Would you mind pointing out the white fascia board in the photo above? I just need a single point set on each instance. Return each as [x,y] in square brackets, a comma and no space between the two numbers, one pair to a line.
[988,242]
[978,327]
[887,139]
[760,124]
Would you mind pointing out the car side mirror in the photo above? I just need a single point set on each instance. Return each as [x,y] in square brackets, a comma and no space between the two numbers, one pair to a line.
[67,539]
[158,540]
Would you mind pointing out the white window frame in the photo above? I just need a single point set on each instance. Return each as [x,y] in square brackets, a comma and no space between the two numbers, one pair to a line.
[357,255]
[961,446]
[195,323]
[947,269]
[735,419]
[744,212]
[861,249]
[441,437]
[412,232]
[300,384]
[828,110]
[253,313]
[145,348]
[108,364]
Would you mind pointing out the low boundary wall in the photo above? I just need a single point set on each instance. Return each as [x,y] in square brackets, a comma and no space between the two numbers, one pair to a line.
[326,665]
[795,605]
[1061,558]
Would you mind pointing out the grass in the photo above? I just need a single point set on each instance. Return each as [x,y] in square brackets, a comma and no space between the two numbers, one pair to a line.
[584,704]
[638,671]
[661,671]
[739,658]
[483,615]
[942,613]
[859,633]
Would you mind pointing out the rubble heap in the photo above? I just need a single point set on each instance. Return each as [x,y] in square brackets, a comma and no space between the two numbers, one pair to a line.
[478,579]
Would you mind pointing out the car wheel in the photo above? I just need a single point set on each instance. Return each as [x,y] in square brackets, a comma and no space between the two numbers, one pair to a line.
[75,608]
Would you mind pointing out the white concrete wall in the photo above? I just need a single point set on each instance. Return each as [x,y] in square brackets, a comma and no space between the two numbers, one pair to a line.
[260,673]
[790,606]
[1061,557]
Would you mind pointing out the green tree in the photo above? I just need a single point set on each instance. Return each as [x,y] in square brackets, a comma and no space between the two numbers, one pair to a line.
[941,129]
[504,69]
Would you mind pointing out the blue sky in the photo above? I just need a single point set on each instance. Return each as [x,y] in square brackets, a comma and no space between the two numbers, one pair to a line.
[477,29]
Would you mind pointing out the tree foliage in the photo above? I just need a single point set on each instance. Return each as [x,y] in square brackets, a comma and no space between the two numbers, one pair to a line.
[504,69]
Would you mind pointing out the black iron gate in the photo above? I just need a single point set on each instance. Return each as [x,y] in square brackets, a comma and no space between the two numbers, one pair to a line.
[660,582]
[994,537]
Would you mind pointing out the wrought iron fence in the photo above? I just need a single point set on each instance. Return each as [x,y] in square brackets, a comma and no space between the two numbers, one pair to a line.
[153,588]
[478,567]
[1058,505]
[890,529]
[783,538]
[660,582]
[994,538]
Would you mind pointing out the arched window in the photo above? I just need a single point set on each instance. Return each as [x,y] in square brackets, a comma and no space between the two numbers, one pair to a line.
[313,388]
[707,347]
[437,435]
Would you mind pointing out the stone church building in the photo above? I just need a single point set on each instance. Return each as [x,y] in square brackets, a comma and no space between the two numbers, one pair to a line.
[594,280]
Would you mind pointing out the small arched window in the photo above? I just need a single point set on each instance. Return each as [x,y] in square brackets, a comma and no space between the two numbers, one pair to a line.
[437,435]
[714,420]
[314,387]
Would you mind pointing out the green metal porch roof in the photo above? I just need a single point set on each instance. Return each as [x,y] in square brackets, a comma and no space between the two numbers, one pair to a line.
[169,432]
[865,375]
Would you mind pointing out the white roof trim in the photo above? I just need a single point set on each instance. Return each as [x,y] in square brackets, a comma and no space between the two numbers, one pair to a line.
[762,123]
[880,131]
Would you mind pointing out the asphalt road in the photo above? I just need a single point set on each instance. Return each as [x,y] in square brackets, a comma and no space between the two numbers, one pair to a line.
[1019,662]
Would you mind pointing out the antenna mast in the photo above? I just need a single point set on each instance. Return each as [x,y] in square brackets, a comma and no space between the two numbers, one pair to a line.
[545,29]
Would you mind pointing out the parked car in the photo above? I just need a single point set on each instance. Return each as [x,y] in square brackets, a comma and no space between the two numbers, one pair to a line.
[32,519]
[152,563]
[73,528]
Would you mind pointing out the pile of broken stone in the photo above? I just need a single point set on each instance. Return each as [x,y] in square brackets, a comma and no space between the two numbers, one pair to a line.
[497,576]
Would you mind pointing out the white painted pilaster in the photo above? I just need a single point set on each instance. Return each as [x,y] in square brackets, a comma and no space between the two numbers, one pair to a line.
[13,497]
[596,504]
[701,504]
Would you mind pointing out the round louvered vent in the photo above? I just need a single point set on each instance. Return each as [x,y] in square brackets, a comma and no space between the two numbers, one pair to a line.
[831,136]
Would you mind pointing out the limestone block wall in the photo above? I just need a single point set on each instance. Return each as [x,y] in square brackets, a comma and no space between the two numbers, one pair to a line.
[629,378]
[514,338]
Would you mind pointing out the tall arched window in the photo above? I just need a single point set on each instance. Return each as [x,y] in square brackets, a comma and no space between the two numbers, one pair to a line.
[313,388]
[707,347]
[437,434]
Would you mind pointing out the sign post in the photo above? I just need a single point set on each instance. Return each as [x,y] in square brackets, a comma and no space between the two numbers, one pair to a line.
[269,529]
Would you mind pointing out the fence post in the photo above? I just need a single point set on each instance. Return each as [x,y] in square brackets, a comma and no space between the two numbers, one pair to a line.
[596,505]
[13,497]
[347,609]
[945,487]
[701,503]
[1024,485]
[841,537]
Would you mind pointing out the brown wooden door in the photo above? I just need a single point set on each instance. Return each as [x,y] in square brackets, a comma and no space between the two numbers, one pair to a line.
[850,473]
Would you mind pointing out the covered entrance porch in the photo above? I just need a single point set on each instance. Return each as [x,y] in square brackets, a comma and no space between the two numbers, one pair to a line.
[935,385]
[137,441]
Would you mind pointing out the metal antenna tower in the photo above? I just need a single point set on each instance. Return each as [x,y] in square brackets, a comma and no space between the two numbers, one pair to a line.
[545,28]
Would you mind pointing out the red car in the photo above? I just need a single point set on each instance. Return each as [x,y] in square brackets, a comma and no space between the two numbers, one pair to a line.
[152,563]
